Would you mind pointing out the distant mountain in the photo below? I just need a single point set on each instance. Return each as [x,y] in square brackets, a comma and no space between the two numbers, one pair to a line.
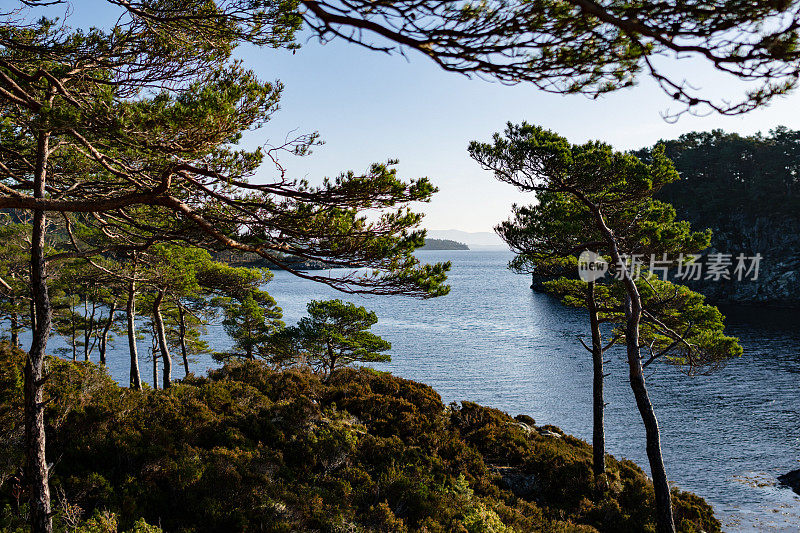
[443,244]
[482,240]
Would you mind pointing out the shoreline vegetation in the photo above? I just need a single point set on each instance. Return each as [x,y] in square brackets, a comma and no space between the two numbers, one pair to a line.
[249,448]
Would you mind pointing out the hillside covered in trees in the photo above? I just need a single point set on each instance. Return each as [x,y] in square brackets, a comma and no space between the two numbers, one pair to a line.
[247,448]
[747,190]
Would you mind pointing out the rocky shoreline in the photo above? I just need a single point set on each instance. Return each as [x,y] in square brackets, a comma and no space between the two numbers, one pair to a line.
[791,480]
[777,240]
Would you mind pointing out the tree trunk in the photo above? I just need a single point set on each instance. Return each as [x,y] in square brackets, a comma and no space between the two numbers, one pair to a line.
[36,461]
[162,338]
[184,353]
[14,324]
[73,332]
[91,338]
[32,305]
[598,432]
[104,334]
[665,521]
[87,326]
[633,314]
[331,360]
[136,379]
[155,367]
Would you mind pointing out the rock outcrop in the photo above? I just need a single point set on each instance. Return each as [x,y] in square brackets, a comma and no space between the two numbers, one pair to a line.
[777,240]
[791,480]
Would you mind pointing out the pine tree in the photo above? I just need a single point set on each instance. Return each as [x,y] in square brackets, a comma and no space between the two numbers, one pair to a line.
[334,334]
[132,130]
[599,199]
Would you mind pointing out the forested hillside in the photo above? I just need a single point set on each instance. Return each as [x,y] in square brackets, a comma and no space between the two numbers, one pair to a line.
[747,190]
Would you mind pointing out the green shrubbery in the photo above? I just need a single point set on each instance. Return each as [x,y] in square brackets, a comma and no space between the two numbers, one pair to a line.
[251,449]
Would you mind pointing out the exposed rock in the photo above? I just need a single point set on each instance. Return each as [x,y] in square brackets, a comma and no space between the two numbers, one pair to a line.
[514,479]
[525,419]
[777,239]
[791,480]
[548,433]
[525,427]
[538,281]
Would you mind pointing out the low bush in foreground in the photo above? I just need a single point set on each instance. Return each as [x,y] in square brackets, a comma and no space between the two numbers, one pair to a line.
[249,449]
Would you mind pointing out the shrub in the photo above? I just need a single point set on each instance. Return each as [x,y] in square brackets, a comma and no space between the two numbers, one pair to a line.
[250,449]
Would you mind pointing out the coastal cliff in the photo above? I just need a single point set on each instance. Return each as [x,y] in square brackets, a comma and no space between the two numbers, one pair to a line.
[777,239]
[747,190]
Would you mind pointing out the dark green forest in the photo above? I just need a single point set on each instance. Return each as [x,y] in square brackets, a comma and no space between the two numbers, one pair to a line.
[727,174]
[746,189]
[443,244]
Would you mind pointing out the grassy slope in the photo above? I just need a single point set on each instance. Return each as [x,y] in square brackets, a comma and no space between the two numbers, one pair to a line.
[250,449]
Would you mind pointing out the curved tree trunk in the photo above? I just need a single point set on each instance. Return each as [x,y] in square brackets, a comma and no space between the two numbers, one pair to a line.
[88,326]
[633,312]
[598,430]
[136,378]
[155,365]
[633,315]
[162,338]
[36,461]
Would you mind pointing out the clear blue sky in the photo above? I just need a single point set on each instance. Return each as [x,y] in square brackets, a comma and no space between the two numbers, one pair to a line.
[370,107]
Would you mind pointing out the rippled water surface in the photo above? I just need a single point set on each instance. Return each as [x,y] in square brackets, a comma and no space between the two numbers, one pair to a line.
[492,340]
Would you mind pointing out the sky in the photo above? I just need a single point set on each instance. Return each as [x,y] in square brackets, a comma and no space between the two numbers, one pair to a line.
[370,107]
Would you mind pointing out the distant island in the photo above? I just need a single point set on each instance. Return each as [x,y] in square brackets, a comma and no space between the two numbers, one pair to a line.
[476,240]
[443,244]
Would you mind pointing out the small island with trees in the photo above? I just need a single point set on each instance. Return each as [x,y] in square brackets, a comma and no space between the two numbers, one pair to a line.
[443,244]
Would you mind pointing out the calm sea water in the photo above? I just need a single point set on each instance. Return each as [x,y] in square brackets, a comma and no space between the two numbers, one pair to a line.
[492,340]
